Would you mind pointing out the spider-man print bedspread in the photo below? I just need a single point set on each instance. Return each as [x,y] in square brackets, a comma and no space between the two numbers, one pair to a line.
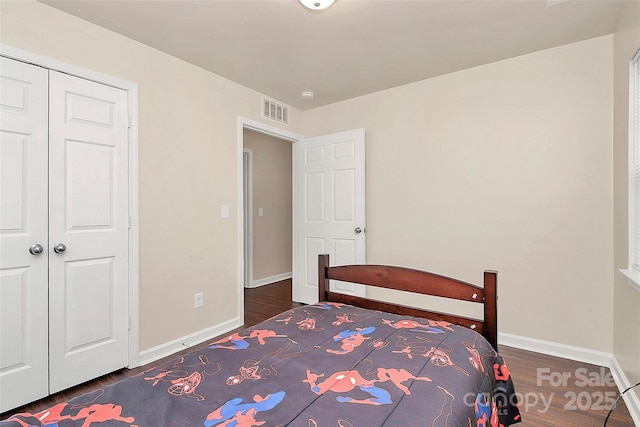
[323,365]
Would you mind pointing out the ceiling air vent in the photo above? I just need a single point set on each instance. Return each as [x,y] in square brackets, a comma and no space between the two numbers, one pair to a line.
[275,111]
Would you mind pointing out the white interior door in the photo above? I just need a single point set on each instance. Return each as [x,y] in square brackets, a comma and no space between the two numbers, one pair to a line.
[88,214]
[329,209]
[23,224]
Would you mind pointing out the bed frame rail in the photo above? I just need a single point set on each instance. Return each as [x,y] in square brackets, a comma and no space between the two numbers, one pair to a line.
[419,282]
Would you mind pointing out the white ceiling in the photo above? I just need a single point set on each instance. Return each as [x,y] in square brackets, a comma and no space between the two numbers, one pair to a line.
[356,47]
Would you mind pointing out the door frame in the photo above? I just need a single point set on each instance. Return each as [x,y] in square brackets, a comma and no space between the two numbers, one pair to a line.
[256,126]
[247,197]
[134,228]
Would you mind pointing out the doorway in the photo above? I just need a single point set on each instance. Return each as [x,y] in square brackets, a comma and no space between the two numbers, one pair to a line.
[267,163]
[265,168]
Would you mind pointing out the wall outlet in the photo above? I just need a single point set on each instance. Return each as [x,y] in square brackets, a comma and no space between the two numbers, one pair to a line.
[198,300]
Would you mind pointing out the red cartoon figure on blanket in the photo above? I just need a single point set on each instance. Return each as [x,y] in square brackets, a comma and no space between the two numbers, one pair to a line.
[239,342]
[97,413]
[346,381]
[328,305]
[340,319]
[306,320]
[267,365]
[486,412]
[186,386]
[432,326]
[100,413]
[51,416]
[475,359]
[235,413]
[185,382]
[263,334]
[501,372]
[351,339]
[439,357]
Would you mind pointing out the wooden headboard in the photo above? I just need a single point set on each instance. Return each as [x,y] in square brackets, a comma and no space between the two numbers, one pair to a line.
[416,281]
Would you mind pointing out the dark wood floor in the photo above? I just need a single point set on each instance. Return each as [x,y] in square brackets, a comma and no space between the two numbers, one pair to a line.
[561,392]
[581,400]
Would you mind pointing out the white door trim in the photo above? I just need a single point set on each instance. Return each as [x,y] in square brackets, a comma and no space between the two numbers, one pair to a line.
[247,195]
[244,123]
[132,98]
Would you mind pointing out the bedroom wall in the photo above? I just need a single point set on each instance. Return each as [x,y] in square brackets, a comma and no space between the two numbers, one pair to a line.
[505,166]
[188,158]
[626,345]
[272,190]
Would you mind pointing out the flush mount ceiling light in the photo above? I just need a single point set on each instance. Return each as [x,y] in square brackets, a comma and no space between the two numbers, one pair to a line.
[317,5]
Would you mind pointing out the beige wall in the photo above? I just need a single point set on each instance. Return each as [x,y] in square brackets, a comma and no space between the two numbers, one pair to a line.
[272,191]
[626,344]
[188,165]
[505,166]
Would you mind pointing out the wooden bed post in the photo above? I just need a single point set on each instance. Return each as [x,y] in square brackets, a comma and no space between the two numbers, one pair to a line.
[323,282]
[491,307]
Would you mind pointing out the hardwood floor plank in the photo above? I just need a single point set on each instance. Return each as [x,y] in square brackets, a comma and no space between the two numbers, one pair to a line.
[553,391]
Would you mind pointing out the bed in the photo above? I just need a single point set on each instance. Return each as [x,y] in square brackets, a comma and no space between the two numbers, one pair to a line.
[344,362]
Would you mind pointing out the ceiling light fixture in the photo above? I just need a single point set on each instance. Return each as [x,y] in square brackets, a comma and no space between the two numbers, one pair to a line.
[306,94]
[317,5]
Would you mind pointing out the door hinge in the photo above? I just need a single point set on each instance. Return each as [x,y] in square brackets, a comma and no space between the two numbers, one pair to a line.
[129,222]
[129,325]
[129,122]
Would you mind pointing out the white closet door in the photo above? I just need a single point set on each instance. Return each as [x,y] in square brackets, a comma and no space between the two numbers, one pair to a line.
[23,223]
[88,216]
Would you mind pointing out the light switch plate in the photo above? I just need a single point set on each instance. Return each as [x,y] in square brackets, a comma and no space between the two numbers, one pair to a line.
[198,300]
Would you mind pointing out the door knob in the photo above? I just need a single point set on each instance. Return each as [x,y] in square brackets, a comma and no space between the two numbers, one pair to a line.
[59,248]
[36,249]
[358,230]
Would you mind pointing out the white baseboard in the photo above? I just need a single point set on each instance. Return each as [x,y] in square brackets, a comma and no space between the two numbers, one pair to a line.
[564,351]
[171,347]
[578,354]
[630,398]
[272,279]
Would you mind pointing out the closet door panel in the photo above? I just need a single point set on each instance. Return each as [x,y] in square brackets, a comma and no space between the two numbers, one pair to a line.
[23,224]
[88,216]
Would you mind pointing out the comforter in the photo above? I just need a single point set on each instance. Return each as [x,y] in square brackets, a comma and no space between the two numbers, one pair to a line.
[321,365]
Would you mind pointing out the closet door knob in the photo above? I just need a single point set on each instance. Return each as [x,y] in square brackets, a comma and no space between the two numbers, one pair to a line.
[59,248]
[36,249]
